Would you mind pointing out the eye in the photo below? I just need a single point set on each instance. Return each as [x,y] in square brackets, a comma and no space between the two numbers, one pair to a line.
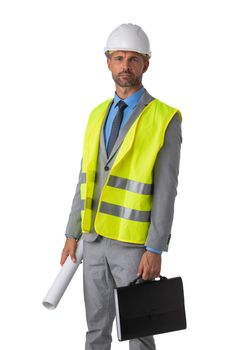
[133,59]
[118,58]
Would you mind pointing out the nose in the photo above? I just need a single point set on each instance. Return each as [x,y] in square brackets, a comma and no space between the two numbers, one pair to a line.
[125,65]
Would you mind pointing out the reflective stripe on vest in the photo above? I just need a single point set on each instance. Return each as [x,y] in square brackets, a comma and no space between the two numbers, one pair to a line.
[126,213]
[125,203]
[82,181]
[86,202]
[130,185]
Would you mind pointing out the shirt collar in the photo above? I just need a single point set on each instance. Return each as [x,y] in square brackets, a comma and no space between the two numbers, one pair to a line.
[131,101]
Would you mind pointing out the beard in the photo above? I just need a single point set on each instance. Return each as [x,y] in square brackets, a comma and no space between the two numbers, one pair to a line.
[127,79]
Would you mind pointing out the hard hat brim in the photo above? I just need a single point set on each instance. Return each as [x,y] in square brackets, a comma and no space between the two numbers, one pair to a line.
[109,51]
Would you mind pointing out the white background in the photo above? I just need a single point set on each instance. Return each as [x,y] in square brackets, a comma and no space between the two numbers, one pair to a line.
[53,73]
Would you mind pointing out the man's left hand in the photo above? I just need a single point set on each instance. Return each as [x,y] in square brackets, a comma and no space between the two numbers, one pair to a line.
[150,266]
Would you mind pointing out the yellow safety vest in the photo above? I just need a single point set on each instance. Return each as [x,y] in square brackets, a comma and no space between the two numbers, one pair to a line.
[125,202]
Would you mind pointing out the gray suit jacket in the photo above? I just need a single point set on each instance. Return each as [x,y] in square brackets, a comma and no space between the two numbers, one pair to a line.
[165,182]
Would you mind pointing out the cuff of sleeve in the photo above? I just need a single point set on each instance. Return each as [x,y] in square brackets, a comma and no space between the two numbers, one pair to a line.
[153,250]
[75,235]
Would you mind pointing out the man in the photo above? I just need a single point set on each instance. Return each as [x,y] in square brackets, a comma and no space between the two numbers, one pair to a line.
[124,200]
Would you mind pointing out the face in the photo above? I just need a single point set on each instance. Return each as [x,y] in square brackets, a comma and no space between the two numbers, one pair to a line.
[127,67]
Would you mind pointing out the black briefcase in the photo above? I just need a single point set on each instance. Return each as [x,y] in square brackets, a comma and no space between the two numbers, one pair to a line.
[148,308]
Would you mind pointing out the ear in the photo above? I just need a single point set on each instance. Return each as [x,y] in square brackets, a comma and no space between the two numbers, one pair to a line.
[108,63]
[146,65]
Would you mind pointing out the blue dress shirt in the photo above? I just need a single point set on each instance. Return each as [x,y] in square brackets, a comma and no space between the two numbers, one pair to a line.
[131,102]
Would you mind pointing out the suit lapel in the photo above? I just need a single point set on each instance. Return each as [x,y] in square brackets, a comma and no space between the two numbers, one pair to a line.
[102,138]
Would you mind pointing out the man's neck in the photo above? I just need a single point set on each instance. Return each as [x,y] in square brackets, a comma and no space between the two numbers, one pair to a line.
[124,92]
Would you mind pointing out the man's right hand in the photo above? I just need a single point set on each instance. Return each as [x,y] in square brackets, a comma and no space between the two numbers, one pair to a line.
[69,249]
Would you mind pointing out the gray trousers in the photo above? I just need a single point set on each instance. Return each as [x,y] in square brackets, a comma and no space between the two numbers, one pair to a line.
[108,264]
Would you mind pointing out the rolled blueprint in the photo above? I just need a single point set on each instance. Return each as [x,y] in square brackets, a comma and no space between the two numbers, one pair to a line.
[63,279]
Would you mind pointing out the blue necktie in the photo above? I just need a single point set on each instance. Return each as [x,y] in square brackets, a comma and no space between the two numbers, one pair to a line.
[116,126]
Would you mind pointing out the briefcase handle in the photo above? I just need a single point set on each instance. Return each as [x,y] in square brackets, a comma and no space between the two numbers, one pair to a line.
[139,280]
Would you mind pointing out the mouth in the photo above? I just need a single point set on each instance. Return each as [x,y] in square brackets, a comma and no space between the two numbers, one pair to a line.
[125,75]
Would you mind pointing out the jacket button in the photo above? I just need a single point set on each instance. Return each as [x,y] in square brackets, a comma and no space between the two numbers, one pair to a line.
[106,168]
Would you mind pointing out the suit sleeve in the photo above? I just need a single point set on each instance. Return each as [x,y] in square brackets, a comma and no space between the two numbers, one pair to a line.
[73,228]
[166,173]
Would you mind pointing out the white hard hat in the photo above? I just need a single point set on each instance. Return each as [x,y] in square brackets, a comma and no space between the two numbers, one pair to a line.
[128,37]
